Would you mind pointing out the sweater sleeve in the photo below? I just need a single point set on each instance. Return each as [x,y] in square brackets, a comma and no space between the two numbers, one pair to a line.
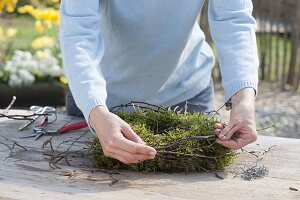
[82,50]
[233,31]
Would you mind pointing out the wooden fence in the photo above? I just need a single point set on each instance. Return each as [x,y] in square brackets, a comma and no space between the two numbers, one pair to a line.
[278,39]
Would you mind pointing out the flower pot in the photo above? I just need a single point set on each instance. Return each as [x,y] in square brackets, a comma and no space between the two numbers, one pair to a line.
[42,94]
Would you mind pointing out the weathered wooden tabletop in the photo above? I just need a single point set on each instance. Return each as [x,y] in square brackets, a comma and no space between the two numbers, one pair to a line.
[27,174]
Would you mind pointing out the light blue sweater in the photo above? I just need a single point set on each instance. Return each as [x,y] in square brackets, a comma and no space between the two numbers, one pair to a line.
[117,51]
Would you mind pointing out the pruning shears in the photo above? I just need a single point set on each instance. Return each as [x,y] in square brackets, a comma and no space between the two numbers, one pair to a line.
[41,131]
[38,110]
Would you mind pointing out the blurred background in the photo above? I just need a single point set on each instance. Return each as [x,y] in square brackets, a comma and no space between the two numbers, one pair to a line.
[31,66]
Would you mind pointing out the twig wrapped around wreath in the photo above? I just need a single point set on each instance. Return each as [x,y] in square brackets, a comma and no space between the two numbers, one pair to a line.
[184,142]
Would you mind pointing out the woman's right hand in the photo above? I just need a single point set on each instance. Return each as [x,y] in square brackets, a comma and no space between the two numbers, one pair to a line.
[117,138]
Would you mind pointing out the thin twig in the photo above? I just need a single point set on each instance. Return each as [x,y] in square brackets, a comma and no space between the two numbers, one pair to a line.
[10,105]
[217,111]
[185,140]
[218,176]
[14,143]
[12,147]
[193,155]
[265,128]
[57,156]
[23,117]
[268,149]
[138,104]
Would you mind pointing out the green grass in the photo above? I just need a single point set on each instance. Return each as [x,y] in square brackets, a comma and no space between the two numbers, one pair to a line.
[26,32]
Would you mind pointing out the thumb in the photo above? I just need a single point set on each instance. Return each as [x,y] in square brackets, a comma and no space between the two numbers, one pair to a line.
[229,130]
[131,135]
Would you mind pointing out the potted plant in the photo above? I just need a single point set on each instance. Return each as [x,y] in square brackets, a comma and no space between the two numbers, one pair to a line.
[34,78]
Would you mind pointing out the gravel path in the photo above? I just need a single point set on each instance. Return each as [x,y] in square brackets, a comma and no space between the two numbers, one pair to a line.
[273,107]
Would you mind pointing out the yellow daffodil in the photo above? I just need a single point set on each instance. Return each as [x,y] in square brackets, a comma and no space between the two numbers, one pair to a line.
[63,80]
[42,42]
[45,16]
[39,26]
[8,5]
[26,9]
[42,55]
[11,32]
[2,37]
[55,1]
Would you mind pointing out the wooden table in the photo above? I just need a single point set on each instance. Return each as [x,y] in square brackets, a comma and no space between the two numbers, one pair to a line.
[27,175]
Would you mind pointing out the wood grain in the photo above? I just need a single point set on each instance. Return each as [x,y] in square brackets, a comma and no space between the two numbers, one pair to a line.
[27,175]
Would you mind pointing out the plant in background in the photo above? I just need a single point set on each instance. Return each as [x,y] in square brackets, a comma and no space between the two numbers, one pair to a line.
[42,61]
[45,17]
[7,37]
[24,68]
[8,5]
[42,42]
[6,40]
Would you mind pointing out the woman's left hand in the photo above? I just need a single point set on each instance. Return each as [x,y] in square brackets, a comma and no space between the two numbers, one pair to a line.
[241,129]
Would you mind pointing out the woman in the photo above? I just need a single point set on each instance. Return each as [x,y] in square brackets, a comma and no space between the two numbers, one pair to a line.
[154,51]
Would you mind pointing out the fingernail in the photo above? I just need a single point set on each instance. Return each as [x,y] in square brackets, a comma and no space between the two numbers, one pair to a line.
[152,153]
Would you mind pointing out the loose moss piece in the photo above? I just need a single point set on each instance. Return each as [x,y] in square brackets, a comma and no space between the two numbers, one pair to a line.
[184,142]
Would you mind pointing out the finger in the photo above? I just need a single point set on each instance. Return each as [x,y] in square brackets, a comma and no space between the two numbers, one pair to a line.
[237,143]
[128,158]
[218,126]
[118,157]
[217,131]
[132,147]
[229,130]
[131,135]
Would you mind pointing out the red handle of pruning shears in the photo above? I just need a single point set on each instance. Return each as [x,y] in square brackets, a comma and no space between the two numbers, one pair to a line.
[72,127]
[43,123]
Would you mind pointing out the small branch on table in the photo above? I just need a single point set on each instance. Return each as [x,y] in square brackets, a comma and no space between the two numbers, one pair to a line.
[10,105]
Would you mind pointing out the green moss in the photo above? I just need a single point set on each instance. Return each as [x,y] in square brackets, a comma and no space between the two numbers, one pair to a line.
[177,139]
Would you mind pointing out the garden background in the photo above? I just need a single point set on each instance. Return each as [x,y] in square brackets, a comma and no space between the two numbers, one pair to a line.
[31,66]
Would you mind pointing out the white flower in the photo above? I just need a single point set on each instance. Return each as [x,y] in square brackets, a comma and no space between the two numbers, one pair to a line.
[31,66]
[26,77]
[56,71]
[22,55]
[14,81]
[48,64]
[10,67]
[24,67]
[41,55]
[21,78]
